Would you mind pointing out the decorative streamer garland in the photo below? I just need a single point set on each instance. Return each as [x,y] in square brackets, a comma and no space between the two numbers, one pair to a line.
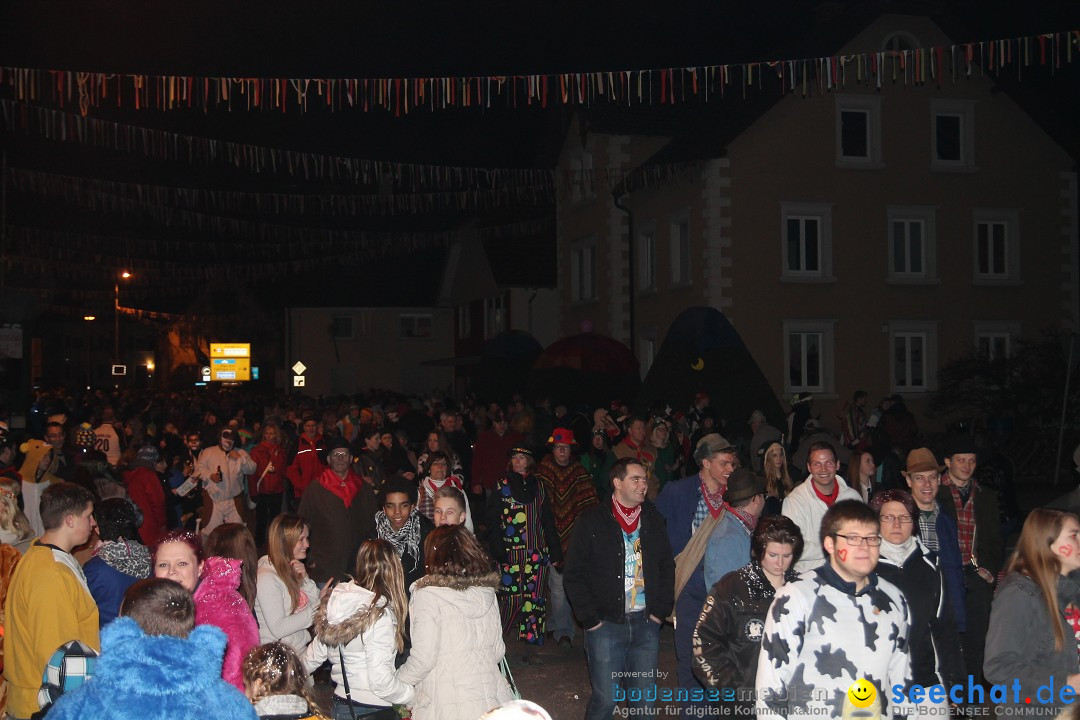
[84,255]
[83,191]
[164,145]
[644,87]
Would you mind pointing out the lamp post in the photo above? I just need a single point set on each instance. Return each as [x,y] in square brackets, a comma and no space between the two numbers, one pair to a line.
[116,305]
[89,319]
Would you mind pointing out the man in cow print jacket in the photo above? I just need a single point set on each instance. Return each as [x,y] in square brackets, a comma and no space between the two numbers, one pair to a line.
[835,625]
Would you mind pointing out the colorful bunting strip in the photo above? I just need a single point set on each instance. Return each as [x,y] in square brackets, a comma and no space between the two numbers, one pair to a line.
[649,87]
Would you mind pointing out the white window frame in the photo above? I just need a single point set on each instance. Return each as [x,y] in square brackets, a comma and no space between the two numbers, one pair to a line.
[1011,220]
[682,251]
[927,216]
[495,315]
[905,330]
[965,110]
[822,212]
[583,270]
[994,330]
[645,258]
[414,320]
[827,330]
[869,105]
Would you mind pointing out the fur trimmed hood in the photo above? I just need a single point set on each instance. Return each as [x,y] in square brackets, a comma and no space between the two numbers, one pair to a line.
[340,616]
[473,597]
[454,582]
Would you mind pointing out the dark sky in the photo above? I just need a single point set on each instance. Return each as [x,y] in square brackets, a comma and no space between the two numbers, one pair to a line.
[387,39]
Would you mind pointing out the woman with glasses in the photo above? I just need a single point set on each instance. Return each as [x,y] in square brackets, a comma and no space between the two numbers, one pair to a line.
[906,563]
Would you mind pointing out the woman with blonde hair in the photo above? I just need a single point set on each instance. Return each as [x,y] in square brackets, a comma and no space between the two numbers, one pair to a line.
[285,597]
[778,483]
[1036,612]
[360,629]
[14,527]
[456,631]
[276,683]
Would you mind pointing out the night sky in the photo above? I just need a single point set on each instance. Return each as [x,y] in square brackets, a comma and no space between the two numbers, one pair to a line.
[181,250]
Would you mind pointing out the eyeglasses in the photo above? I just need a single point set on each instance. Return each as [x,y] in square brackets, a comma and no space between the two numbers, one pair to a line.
[339,454]
[890,519]
[859,540]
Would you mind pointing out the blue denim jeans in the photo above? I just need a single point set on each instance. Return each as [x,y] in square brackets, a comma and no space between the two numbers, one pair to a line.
[560,621]
[621,656]
[371,712]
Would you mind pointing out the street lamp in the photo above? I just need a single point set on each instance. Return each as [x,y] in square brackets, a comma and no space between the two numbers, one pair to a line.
[89,319]
[116,304]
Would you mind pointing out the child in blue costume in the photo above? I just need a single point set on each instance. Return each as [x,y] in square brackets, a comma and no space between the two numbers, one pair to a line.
[156,664]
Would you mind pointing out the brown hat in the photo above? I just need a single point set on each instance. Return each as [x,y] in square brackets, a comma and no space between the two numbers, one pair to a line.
[744,483]
[922,460]
[711,444]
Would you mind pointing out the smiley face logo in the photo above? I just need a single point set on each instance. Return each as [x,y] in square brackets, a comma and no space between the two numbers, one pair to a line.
[861,693]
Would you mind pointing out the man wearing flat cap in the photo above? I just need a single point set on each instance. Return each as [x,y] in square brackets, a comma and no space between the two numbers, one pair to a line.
[975,512]
[729,545]
[693,507]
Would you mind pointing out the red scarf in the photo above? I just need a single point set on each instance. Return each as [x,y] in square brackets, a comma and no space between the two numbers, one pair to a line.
[345,489]
[748,520]
[714,510]
[628,518]
[827,499]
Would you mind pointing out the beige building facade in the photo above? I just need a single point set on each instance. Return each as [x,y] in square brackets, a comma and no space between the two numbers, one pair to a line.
[856,239]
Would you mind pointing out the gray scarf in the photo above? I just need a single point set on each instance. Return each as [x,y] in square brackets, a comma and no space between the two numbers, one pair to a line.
[898,554]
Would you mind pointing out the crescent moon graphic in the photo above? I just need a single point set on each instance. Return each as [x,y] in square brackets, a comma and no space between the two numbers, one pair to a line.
[698,364]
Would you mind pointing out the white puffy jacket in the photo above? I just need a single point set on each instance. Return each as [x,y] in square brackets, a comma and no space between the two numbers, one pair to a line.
[273,609]
[457,645]
[369,656]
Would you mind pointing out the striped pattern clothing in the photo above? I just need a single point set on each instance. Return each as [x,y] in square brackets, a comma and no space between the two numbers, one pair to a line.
[569,490]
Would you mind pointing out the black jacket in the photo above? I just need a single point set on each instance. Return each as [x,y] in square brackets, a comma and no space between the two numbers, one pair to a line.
[989,548]
[933,645]
[727,639]
[595,566]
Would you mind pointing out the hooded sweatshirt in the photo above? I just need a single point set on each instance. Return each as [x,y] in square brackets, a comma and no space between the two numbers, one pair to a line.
[369,656]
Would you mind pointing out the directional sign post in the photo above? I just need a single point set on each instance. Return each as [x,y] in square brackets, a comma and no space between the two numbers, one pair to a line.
[298,378]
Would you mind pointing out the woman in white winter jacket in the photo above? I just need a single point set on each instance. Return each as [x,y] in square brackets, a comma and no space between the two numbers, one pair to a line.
[285,597]
[456,631]
[361,625]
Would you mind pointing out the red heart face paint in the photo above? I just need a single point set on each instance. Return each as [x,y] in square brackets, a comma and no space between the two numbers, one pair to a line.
[842,554]
[1066,550]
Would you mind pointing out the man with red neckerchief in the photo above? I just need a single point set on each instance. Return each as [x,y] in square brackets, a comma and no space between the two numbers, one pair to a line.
[807,503]
[619,578]
[687,505]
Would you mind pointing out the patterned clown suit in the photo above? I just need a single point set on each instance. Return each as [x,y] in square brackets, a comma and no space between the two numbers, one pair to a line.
[521,549]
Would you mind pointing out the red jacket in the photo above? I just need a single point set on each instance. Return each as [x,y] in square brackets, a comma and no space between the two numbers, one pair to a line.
[490,457]
[146,492]
[306,466]
[274,480]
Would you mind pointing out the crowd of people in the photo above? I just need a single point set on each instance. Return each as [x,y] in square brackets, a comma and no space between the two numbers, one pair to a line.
[398,541]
